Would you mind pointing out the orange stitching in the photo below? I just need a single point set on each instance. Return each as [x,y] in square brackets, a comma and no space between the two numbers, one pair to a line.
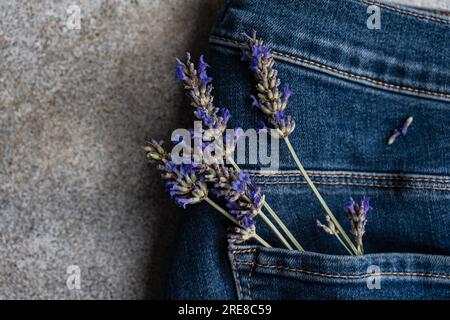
[249,285]
[365,275]
[349,175]
[244,251]
[357,184]
[437,12]
[236,272]
[409,13]
[338,276]
[250,280]
[341,72]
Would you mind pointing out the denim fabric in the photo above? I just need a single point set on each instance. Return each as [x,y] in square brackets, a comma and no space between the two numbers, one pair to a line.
[352,86]
[276,274]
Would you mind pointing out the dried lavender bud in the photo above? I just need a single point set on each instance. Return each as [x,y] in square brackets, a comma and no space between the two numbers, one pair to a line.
[242,235]
[329,228]
[244,198]
[283,123]
[187,184]
[198,85]
[357,214]
[155,151]
[184,182]
[214,120]
[270,100]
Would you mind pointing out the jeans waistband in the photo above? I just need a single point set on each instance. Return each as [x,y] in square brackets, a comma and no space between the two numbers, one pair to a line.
[409,53]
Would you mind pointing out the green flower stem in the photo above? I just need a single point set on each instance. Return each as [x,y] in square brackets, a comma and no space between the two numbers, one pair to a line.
[221,210]
[343,244]
[283,227]
[274,216]
[262,241]
[230,217]
[319,197]
[274,229]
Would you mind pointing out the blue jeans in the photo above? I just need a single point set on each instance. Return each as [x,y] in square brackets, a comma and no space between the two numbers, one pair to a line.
[352,86]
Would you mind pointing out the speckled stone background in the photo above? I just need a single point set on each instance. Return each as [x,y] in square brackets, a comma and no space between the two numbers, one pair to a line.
[75,109]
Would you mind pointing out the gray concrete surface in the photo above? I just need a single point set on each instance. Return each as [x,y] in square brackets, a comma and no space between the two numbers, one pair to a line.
[76,107]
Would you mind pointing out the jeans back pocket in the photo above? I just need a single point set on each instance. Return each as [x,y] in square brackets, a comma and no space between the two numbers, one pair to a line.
[267,273]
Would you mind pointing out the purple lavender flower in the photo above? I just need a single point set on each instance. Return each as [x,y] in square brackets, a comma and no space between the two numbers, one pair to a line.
[188,184]
[256,55]
[357,214]
[283,123]
[198,85]
[183,182]
[256,104]
[270,100]
[225,114]
[214,120]
[240,184]
[202,75]
[180,73]
[244,198]
[287,93]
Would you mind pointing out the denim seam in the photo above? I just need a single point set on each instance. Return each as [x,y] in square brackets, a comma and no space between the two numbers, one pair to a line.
[241,251]
[338,71]
[327,275]
[236,273]
[406,12]
[338,276]
[356,176]
[393,186]
[250,273]
[437,12]
[351,176]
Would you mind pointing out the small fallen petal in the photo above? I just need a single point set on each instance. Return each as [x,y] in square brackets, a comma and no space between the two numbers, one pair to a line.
[406,125]
[400,132]
[394,136]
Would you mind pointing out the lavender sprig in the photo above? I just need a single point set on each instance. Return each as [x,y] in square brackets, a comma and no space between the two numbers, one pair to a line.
[244,199]
[198,86]
[182,181]
[270,100]
[186,184]
[272,103]
[330,228]
[357,214]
